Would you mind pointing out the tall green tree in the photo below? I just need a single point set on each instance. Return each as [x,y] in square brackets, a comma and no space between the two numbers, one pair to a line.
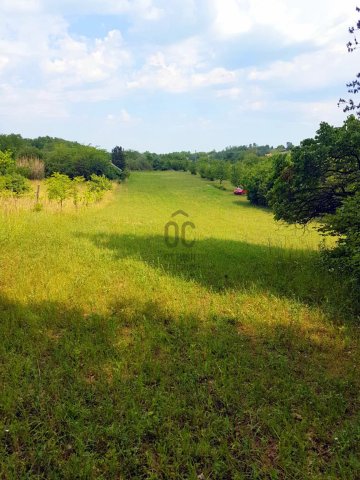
[221,171]
[319,175]
[7,162]
[118,158]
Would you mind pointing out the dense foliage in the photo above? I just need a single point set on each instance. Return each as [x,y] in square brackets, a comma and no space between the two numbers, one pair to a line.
[12,183]
[46,155]
[118,159]
[60,187]
[321,181]
[320,174]
[205,163]
[345,224]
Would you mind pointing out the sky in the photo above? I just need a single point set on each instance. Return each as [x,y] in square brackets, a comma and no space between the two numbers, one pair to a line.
[170,75]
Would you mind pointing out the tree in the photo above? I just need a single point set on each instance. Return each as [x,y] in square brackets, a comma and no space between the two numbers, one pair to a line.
[13,142]
[7,163]
[258,180]
[192,168]
[319,175]
[97,186]
[236,174]
[320,180]
[118,158]
[58,187]
[76,160]
[221,171]
[345,226]
[75,189]
[354,86]
[29,151]
[14,184]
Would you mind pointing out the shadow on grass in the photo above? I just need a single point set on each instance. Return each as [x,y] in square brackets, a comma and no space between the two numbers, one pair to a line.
[225,264]
[149,396]
[246,204]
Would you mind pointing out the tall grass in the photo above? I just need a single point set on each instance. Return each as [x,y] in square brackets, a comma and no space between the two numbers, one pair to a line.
[123,358]
[34,167]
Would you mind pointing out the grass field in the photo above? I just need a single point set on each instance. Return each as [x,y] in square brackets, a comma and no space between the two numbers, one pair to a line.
[123,358]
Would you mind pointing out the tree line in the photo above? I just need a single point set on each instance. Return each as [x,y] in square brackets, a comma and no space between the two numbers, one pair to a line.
[184,160]
[41,157]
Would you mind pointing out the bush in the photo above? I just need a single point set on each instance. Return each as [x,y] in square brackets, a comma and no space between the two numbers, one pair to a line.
[14,184]
[258,179]
[192,168]
[75,189]
[345,224]
[38,207]
[97,186]
[58,187]
[7,163]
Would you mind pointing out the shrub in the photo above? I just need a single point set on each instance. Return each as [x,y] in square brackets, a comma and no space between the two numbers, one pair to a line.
[75,189]
[192,168]
[58,187]
[14,184]
[7,163]
[345,224]
[97,186]
[38,207]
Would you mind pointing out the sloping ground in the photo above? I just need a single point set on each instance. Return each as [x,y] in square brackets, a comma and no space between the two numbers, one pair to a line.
[122,357]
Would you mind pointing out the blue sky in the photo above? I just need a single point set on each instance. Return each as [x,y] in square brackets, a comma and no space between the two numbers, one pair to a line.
[166,75]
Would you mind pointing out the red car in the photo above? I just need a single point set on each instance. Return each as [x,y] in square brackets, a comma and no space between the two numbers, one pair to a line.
[240,191]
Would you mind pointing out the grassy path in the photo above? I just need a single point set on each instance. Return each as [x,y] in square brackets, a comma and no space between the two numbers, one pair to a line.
[124,358]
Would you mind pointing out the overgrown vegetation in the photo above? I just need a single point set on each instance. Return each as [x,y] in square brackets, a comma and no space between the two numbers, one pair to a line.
[46,155]
[75,171]
[60,187]
[12,183]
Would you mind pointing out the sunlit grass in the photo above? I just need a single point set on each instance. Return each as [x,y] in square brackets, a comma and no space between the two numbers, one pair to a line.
[123,358]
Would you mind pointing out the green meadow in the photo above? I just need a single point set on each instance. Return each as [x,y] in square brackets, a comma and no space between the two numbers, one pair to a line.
[124,358]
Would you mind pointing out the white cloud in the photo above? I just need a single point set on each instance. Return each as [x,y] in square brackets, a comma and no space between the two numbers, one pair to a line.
[141,9]
[79,61]
[30,104]
[47,66]
[232,17]
[191,52]
[324,67]
[178,68]
[233,93]
[123,117]
[159,75]
[295,21]
[24,39]
[20,6]
[216,76]
[4,60]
